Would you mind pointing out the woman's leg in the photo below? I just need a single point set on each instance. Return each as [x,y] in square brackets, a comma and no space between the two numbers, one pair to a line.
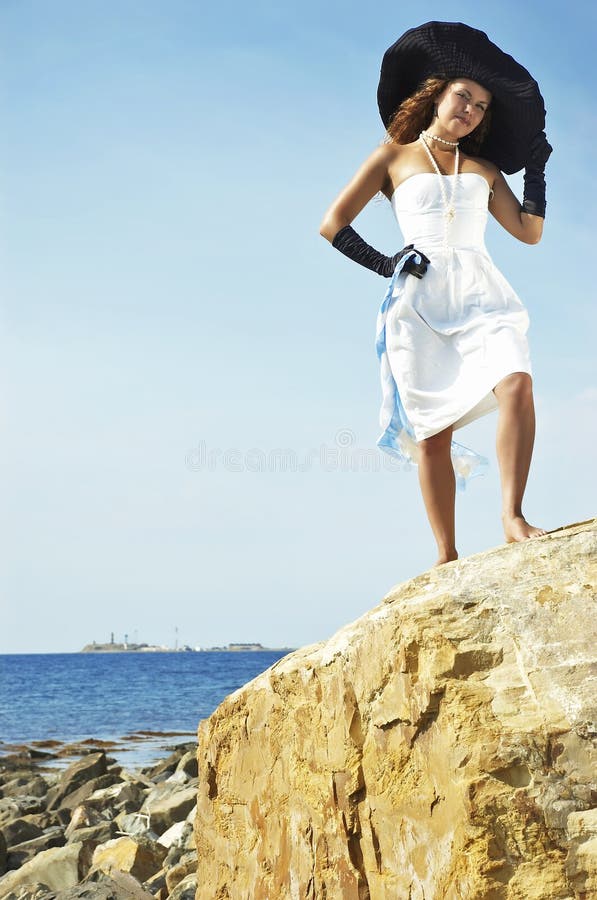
[438,484]
[515,438]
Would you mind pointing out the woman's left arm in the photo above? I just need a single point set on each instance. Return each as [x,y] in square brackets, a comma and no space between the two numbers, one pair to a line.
[524,222]
[505,207]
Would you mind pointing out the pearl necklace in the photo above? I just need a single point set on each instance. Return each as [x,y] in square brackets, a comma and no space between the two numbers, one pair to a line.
[449,211]
[434,137]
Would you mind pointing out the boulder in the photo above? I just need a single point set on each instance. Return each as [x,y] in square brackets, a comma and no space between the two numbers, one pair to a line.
[126,882]
[173,835]
[95,834]
[31,892]
[142,781]
[187,865]
[139,856]
[122,797]
[20,830]
[82,816]
[159,792]
[166,767]
[181,848]
[75,776]
[86,790]
[26,787]
[439,747]
[61,816]
[17,807]
[185,889]
[2,854]
[87,748]
[134,824]
[43,820]
[175,853]
[168,807]
[59,868]
[118,886]
[20,853]
[157,883]
[179,778]
[22,759]
[189,836]
[188,763]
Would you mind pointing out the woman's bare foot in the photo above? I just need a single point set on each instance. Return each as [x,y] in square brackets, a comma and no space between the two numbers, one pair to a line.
[448,556]
[516,529]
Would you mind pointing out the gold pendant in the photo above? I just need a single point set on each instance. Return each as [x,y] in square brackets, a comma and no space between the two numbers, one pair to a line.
[451,214]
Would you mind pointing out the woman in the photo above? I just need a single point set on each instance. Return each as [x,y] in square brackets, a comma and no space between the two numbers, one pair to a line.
[452,332]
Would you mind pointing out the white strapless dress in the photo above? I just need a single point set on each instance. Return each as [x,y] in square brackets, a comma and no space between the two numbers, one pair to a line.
[445,340]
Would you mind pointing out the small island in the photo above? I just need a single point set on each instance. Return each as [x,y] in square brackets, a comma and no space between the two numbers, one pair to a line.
[127,647]
[245,648]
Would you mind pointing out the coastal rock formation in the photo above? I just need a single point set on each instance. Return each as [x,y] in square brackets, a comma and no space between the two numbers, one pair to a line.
[441,747]
[89,831]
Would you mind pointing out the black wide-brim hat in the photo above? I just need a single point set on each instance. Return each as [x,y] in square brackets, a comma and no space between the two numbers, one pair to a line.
[454,50]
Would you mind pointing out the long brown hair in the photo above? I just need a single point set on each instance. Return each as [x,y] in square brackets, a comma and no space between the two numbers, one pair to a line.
[417,112]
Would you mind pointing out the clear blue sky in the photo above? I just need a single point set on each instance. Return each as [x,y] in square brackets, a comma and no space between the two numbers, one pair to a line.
[166,294]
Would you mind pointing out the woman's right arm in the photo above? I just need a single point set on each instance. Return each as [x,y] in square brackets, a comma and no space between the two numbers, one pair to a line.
[371,177]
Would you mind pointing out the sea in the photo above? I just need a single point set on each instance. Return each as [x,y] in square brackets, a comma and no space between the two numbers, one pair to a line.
[144,702]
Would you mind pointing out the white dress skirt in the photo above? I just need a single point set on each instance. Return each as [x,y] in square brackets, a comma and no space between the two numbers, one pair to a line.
[445,341]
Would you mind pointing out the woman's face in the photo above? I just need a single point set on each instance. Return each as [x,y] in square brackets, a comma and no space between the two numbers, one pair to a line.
[461,106]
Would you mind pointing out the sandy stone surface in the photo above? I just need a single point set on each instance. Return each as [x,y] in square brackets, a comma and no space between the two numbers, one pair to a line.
[439,748]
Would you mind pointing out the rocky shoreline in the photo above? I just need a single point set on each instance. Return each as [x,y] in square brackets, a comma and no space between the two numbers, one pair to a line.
[74,823]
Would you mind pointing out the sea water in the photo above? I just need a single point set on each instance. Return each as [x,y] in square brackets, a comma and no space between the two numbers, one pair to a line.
[75,696]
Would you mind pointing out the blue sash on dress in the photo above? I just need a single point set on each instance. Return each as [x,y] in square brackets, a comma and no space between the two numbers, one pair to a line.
[397,438]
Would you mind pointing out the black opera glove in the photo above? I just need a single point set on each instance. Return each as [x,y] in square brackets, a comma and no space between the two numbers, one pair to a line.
[351,244]
[539,152]
[533,201]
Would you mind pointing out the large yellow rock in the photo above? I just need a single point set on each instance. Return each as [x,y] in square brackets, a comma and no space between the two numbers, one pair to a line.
[139,856]
[440,747]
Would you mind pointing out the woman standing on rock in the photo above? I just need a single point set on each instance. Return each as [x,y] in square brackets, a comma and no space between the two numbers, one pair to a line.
[451,331]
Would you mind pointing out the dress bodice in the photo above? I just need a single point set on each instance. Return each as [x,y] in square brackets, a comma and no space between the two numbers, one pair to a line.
[419,209]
